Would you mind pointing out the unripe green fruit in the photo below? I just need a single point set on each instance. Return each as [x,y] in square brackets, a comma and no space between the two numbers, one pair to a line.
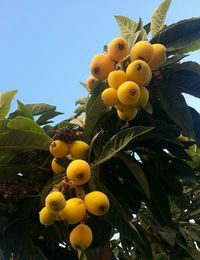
[81,237]
[55,201]
[59,149]
[109,97]
[101,65]
[138,71]
[74,211]
[142,50]
[118,49]
[79,150]
[57,168]
[47,217]
[116,78]
[128,93]
[97,203]
[78,171]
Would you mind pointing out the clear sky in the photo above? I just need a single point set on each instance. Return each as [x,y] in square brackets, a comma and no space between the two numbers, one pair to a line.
[46,46]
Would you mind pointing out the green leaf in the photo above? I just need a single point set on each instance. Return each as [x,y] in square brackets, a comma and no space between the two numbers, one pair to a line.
[180,37]
[172,60]
[24,140]
[175,106]
[26,111]
[127,26]
[120,140]
[158,17]
[196,124]
[24,124]
[5,102]
[137,172]
[80,109]
[81,101]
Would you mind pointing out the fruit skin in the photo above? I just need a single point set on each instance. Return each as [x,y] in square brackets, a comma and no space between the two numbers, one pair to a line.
[79,150]
[55,201]
[74,210]
[57,168]
[90,82]
[118,49]
[142,50]
[47,217]
[127,115]
[116,78]
[59,149]
[109,97]
[101,65]
[81,237]
[144,97]
[159,56]
[128,93]
[97,203]
[78,171]
[138,71]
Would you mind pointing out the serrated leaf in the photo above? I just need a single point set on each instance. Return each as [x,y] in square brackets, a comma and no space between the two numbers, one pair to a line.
[126,25]
[24,124]
[5,102]
[137,172]
[158,17]
[175,106]
[120,141]
[24,140]
[180,36]
[44,118]
[26,111]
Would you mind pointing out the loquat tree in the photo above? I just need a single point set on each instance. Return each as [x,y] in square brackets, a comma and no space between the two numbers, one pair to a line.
[120,179]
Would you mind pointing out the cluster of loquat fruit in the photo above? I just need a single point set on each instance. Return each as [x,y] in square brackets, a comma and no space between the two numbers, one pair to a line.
[74,210]
[126,84]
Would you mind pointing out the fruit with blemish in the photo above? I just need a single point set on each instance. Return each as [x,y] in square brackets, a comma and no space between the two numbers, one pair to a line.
[138,71]
[97,203]
[55,201]
[101,65]
[57,168]
[90,82]
[78,171]
[59,149]
[81,237]
[118,49]
[74,210]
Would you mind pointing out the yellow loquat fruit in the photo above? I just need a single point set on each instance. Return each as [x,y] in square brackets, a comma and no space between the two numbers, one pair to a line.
[118,49]
[144,97]
[47,217]
[159,56]
[142,50]
[127,115]
[128,93]
[109,97]
[57,168]
[55,201]
[116,78]
[79,150]
[59,149]
[90,82]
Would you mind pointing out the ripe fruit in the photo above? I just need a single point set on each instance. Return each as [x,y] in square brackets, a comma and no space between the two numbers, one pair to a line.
[97,203]
[118,49]
[90,82]
[78,171]
[57,168]
[109,97]
[128,93]
[123,107]
[74,210]
[142,50]
[79,150]
[159,56]
[138,71]
[59,149]
[81,237]
[116,78]
[144,97]
[127,115]
[101,65]
[47,217]
[55,201]
[148,79]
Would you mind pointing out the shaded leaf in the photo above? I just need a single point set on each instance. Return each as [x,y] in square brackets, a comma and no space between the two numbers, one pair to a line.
[26,111]
[158,17]
[5,102]
[196,124]
[179,36]
[120,141]
[175,106]
[43,119]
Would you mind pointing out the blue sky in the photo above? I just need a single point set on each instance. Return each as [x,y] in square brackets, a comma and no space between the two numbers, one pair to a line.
[46,46]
